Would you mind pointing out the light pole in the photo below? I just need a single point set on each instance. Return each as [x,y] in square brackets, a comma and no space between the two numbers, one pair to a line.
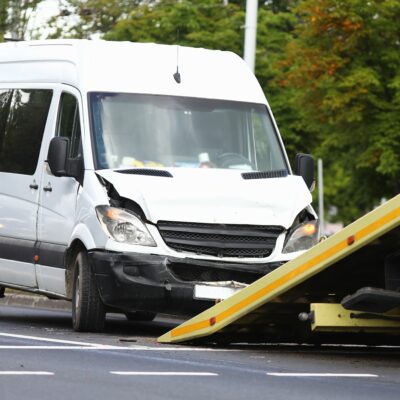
[321,196]
[250,33]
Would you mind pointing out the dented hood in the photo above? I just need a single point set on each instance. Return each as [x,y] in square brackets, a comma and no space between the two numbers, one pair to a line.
[213,196]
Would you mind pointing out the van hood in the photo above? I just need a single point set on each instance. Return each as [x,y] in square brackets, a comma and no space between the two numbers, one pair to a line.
[213,196]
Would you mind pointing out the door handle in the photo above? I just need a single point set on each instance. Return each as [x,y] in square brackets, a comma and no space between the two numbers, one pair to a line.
[48,188]
[34,186]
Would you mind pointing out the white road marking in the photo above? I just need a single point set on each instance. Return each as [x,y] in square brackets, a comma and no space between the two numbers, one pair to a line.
[151,373]
[318,374]
[43,339]
[149,348]
[62,348]
[101,347]
[8,373]
[96,346]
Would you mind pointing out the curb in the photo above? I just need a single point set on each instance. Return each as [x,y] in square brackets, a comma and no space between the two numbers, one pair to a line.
[34,301]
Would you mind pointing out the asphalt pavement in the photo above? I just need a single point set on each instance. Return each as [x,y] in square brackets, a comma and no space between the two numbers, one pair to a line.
[42,358]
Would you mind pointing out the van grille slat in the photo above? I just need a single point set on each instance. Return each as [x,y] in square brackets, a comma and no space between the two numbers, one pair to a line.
[280,173]
[145,171]
[220,239]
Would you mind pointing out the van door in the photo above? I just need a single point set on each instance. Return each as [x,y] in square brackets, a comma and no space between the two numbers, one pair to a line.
[23,116]
[57,203]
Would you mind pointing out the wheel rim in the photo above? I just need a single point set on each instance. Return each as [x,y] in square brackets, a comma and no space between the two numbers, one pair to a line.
[77,294]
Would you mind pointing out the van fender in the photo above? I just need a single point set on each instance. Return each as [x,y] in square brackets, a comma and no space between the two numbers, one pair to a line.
[82,233]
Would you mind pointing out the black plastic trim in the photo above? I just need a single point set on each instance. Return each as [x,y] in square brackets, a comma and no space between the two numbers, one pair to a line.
[222,240]
[14,249]
[51,254]
[145,171]
[158,283]
[23,250]
[281,173]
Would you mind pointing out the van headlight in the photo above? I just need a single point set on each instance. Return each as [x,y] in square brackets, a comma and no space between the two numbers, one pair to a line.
[302,237]
[123,226]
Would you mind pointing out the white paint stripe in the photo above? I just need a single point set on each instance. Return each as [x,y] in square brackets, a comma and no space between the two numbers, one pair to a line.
[26,373]
[43,339]
[103,347]
[63,348]
[98,346]
[151,373]
[147,348]
[306,374]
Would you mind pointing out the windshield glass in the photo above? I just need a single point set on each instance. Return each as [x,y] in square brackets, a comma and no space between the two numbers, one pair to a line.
[133,130]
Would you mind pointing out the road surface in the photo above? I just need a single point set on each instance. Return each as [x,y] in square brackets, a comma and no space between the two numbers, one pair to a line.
[42,358]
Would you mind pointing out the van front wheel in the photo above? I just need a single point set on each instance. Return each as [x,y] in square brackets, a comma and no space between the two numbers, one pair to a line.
[88,313]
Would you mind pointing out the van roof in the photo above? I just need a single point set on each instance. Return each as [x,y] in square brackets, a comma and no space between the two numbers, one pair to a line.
[130,67]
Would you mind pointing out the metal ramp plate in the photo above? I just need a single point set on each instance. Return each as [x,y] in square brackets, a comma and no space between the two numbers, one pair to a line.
[269,308]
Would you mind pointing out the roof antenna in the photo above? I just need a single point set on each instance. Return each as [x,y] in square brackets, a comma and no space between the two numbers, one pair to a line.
[177,75]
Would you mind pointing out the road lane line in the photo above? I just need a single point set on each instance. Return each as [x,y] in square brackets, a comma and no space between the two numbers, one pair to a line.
[148,348]
[98,346]
[62,348]
[40,373]
[318,374]
[153,373]
[104,347]
[42,339]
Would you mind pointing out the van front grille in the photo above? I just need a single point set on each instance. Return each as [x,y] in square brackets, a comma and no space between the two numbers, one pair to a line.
[219,239]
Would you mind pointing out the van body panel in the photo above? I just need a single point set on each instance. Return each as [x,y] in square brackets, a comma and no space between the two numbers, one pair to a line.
[19,201]
[219,196]
[57,208]
[139,68]
[17,273]
[51,279]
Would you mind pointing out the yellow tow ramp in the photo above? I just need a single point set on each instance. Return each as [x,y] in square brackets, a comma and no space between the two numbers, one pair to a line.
[339,266]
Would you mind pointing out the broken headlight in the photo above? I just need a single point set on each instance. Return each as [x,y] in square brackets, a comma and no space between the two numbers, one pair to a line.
[123,226]
[302,237]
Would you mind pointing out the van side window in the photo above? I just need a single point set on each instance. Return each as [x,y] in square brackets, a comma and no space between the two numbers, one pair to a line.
[23,116]
[5,101]
[68,124]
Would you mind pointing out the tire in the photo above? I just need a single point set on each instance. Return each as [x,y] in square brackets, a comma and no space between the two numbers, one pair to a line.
[140,316]
[2,290]
[88,314]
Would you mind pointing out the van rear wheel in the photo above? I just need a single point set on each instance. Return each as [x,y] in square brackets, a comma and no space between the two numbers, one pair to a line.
[88,314]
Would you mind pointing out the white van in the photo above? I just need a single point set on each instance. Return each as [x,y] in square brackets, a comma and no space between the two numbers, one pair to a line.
[141,178]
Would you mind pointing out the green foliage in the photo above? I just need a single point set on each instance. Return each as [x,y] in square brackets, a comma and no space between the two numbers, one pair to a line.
[201,24]
[343,68]
[14,17]
[3,18]
[83,18]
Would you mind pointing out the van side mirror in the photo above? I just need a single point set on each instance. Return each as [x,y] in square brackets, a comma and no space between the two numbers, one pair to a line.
[57,156]
[304,167]
[60,164]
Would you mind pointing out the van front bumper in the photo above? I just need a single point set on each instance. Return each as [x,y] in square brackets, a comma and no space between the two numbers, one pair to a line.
[162,284]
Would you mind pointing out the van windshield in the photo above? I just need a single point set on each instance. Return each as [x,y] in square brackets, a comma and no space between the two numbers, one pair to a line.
[153,131]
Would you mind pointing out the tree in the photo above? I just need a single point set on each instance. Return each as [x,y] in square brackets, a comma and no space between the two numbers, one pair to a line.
[343,70]
[3,18]
[85,18]
[201,24]
[14,17]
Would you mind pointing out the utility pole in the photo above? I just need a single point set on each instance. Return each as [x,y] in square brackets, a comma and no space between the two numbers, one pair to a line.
[321,196]
[250,33]
[13,17]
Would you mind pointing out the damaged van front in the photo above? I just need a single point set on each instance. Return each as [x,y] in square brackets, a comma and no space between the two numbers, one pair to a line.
[201,200]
